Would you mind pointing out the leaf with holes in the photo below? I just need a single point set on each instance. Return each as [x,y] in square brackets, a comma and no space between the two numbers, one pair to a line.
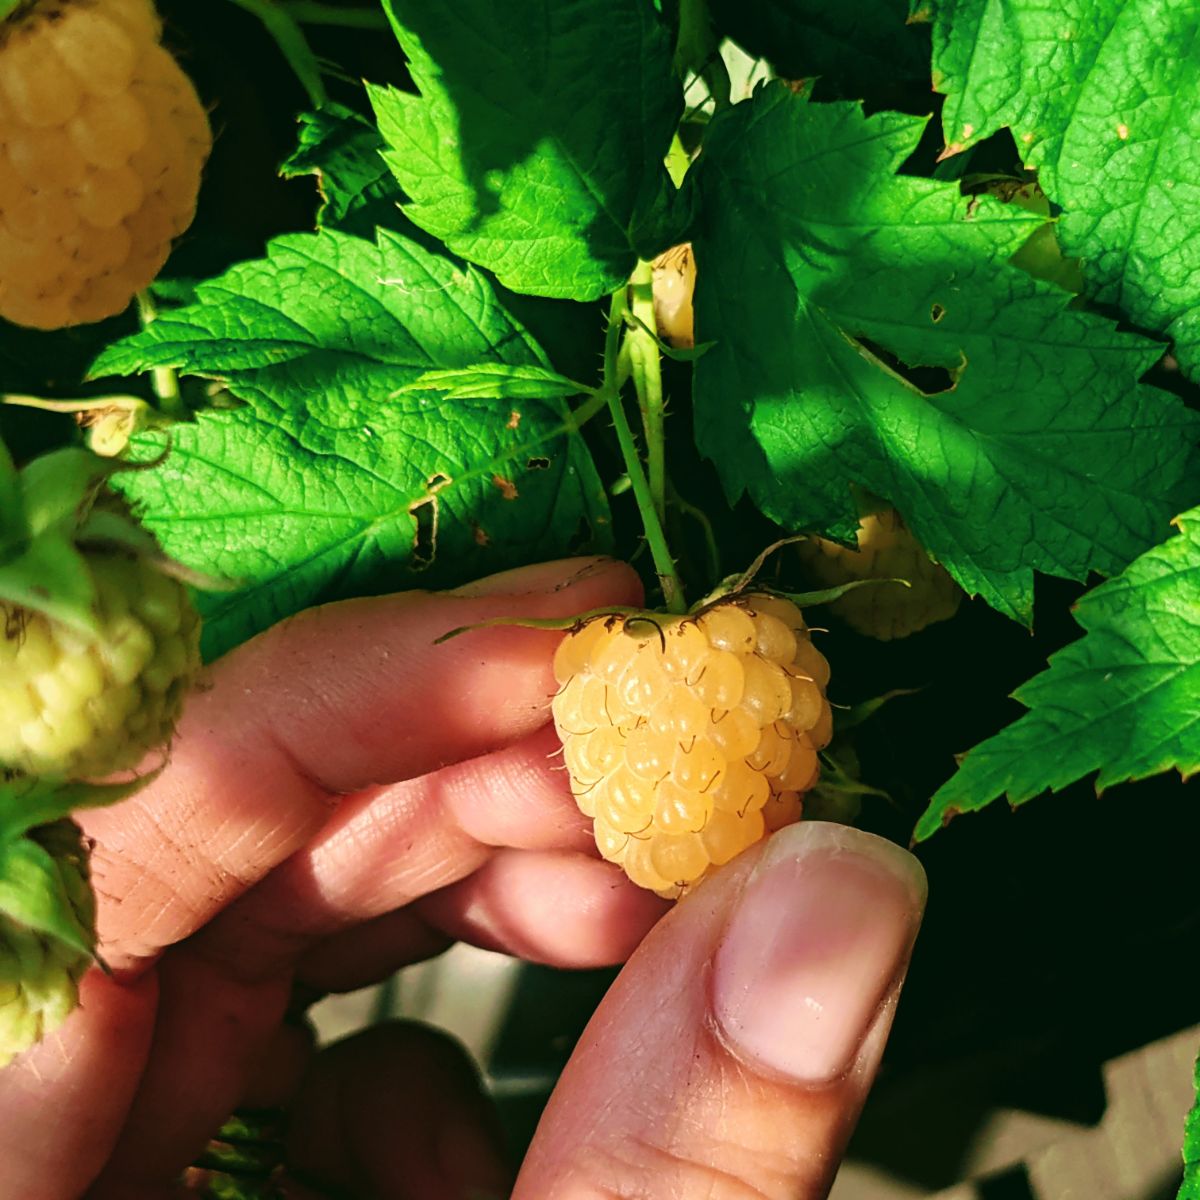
[824,278]
[331,481]
[1103,97]
[1124,700]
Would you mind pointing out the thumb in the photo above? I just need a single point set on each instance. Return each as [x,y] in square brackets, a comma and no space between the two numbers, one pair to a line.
[734,1052]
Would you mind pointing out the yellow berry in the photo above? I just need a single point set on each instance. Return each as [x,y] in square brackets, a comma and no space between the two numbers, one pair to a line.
[886,549]
[102,141]
[688,738]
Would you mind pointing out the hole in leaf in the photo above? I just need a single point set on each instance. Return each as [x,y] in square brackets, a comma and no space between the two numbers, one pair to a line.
[582,538]
[538,463]
[425,516]
[928,380]
[937,312]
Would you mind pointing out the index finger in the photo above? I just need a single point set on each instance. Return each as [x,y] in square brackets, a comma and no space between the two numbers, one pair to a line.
[326,703]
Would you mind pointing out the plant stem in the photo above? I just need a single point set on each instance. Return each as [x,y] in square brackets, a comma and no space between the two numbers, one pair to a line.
[646,369]
[716,77]
[664,564]
[164,380]
[314,12]
[290,39]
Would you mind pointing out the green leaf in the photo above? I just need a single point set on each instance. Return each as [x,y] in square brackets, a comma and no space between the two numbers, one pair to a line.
[1190,1189]
[1124,700]
[345,152]
[868,48]
[1103,97]
[536,146]
[828,282]
[331,482]
[32,892]
[497,381]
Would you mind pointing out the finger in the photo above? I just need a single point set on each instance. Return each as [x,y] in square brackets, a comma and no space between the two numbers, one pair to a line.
[734,1052]
[304,713]
[397,1111]
[369,953]
[557,907]
[210,1035]
[62,1103]
[386,847]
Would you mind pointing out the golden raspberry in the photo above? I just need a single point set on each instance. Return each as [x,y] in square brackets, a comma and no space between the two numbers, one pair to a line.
[886,550]
[102,141]
[687,739]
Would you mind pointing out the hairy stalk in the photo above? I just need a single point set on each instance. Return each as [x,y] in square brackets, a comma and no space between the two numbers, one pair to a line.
[664,564]
[646,369]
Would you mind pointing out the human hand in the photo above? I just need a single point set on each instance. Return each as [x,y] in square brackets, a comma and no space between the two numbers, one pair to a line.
[347,797]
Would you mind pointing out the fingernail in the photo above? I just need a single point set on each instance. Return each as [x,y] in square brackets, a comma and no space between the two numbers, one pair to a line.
[540,577]
[820,937]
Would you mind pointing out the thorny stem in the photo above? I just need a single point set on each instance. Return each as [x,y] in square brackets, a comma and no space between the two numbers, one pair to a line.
[646,368]
[664,564]
[164,380]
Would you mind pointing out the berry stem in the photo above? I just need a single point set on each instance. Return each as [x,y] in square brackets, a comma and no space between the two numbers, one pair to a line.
[646,369]
[664,564]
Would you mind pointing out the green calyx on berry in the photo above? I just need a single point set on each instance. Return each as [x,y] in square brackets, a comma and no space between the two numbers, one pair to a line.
[99,640]
[47,908]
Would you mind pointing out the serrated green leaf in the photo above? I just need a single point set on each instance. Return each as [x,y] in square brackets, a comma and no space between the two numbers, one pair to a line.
[819,268]
[1190,1188]
[1124,700]
[1103,97]
[536,146]
[329,483]
[345,153]
[497,381]
[865,49]
[32,892]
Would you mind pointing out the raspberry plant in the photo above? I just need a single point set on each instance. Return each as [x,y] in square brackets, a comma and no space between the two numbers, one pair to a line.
[941,257]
